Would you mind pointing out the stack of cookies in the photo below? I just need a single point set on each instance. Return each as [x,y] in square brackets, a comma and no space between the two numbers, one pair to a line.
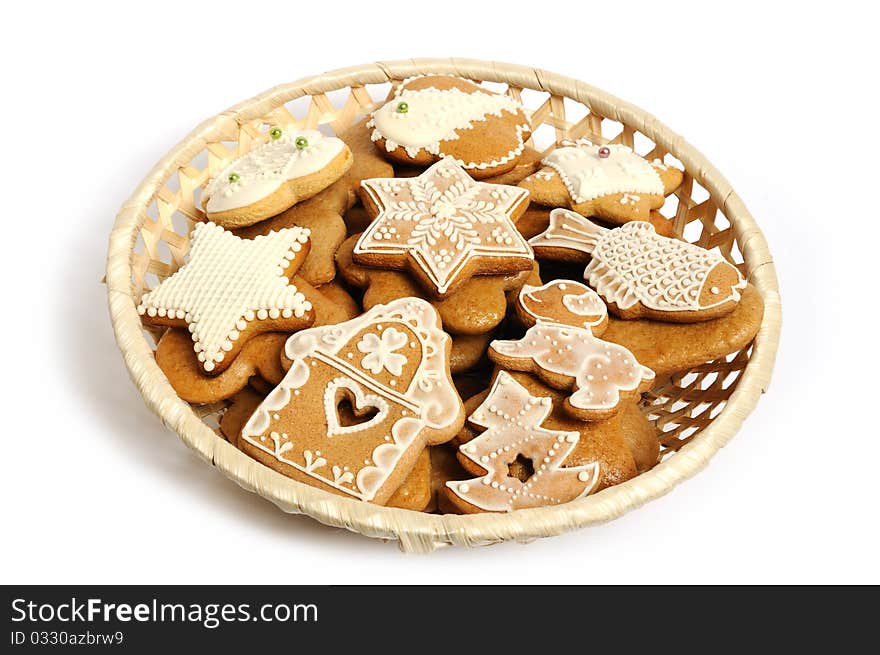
[425,313]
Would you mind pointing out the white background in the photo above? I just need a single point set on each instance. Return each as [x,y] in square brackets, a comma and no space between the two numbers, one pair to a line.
[784,102]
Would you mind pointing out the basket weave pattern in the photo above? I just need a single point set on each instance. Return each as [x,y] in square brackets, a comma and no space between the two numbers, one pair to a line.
[697,412]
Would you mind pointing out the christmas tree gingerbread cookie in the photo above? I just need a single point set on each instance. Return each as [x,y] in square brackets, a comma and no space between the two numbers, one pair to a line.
[610,182]
[642,274]
[513,420]
[292,166]
[436,116]
[443,227]
[390,368]
[232,289]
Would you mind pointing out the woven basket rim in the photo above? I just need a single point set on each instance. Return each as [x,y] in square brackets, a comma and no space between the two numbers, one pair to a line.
[418,531]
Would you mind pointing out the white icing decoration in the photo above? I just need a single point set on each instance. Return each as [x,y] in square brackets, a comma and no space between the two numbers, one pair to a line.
[512,418]
[263,170]
[436,115]
[601,369]
[227,283]
[588,176]
[423,397]
[361,401]
[380,351]
[632,264]
[443,219]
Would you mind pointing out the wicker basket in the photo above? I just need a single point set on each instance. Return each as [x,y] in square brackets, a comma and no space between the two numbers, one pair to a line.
[697,412]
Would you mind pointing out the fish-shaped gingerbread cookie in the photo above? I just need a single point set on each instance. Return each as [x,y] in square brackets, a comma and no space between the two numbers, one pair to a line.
[642,274]
[610,182]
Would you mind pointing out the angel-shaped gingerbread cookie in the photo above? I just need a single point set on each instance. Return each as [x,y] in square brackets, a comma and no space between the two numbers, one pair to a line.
[610,182]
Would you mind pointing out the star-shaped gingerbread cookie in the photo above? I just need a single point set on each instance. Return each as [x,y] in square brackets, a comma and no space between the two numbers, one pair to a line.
[443,227]
[232,289]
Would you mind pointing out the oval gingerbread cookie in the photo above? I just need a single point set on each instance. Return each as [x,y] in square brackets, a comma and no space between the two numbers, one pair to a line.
[291,167]
[439,116]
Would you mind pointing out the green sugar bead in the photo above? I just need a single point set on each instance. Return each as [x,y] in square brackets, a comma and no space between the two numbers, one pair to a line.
[402,107]
[301,143]
[275,132]
[234,177]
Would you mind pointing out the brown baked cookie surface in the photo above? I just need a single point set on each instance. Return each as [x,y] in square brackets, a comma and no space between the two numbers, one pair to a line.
[478,306]
[676,347]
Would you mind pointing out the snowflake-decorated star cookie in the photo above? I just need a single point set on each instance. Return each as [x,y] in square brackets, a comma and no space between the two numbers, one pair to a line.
[443,227]
[390,368]
[292,166]
[610,182]
[231,289]
[642,274]
[438,116]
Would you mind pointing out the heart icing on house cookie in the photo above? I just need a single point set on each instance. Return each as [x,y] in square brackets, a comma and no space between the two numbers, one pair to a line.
[512,419]
[443,227]
[231,289]
[437,116]
[375,390]
[294,165]
[642,274]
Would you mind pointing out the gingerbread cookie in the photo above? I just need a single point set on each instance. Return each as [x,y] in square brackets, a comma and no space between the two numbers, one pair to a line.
[468,350]
[641,436]
[641,274]
[293,166]
[331,302]
[563,302]
[415,493]
[322,214]
[609,181]
[676,347]
[437,116]
[232,289]
[477,307]
[599,375]
[241,407]
[391,365]
[513,421]
[443,227]
[536,219]
[260,356]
